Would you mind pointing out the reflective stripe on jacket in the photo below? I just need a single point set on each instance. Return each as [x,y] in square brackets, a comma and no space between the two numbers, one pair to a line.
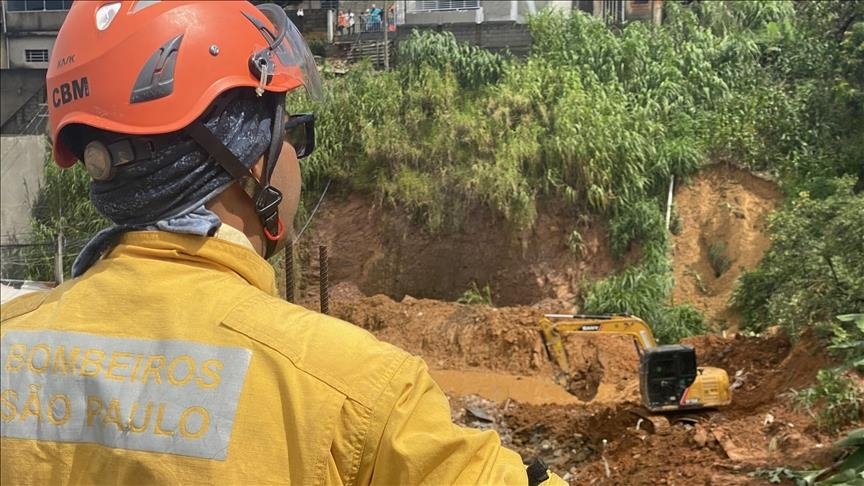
[173,361]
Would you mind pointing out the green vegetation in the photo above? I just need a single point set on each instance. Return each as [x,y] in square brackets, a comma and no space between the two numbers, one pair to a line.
[812,271]
[848,470]
[472,66]
[847,340]
[718,259]
[576,244]
[599,118]
[475,295]
[835,401]
[63,206]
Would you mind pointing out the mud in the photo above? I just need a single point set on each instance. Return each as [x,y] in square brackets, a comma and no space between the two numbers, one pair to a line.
[392,279]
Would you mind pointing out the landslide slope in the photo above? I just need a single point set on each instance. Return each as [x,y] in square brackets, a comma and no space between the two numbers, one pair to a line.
[393,279]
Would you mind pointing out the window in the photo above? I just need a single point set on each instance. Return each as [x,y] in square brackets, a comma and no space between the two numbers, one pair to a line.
[37,5]
[36,55]
[439,5]
[664,369]
[585,6]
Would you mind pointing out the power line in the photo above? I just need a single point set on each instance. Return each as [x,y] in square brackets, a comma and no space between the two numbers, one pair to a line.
[41,113]
[314,210]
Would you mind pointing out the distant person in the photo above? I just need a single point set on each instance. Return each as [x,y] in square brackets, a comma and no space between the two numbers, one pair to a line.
[301,20]
[366,20]
[375,17]
[341,23]
[351,22]
[169,357]
[391,18]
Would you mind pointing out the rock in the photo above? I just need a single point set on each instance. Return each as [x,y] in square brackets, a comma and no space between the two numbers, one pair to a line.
[479,414]
[581,455]
[700,436]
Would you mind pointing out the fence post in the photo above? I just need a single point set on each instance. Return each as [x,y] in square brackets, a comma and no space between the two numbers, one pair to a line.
[323,286]
[289,272]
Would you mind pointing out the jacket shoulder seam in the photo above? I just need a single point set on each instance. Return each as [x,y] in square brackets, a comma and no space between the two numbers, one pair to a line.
[265,336]
[22,305]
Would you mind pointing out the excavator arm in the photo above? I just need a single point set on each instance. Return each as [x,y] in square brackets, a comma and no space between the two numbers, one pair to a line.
[553,326]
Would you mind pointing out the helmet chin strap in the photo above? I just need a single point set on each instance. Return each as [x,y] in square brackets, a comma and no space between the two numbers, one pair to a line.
[265,197]
[269,196]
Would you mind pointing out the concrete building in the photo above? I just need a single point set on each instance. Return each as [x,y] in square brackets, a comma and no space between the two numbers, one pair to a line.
[421,12]
[29,28]
[22,158]
[496,25]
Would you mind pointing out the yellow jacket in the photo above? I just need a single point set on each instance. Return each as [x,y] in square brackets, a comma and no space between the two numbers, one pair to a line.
[173,361]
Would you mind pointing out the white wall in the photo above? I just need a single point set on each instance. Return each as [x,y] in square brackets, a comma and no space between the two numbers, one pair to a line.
[491,11]
[22,158]
[17,46]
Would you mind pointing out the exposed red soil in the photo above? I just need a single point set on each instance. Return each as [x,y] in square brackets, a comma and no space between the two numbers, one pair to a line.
[391,278]
[725,207]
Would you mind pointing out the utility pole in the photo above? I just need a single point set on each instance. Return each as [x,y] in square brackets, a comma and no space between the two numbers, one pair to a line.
[669,201]
[386,28]
[58,259]
[654,21]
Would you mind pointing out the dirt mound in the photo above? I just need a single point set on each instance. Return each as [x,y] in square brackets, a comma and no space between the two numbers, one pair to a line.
[763,367]
[453,336]
[608,443]
[722,216]
[507,340]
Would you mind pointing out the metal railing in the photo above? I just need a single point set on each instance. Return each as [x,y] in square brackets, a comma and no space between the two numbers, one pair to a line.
[441,5]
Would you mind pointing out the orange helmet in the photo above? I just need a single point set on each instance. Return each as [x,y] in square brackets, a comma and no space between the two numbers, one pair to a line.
[149,67]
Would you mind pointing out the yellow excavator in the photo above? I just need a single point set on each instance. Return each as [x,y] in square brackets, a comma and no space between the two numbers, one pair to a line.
[669,379]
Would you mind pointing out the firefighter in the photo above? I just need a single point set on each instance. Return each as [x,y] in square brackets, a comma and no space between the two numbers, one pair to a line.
[169,357]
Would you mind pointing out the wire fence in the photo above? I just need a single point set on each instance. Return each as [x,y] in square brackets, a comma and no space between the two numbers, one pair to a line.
[46,262]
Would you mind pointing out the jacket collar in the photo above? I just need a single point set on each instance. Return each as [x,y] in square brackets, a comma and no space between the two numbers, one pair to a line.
[174,246]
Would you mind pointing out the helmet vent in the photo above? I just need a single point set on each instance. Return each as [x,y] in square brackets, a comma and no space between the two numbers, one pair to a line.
[142,4]
[156,79]
[105,15]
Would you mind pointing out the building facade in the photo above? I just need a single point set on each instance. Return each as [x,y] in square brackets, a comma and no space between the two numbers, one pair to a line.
[29,29]
[421,12]
[27,34]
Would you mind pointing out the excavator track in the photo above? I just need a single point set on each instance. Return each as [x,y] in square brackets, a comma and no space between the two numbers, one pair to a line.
[658,423]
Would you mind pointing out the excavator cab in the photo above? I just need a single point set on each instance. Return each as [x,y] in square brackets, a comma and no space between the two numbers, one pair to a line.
[665,375]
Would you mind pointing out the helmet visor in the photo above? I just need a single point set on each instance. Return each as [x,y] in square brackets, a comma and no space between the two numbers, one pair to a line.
[290,60]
